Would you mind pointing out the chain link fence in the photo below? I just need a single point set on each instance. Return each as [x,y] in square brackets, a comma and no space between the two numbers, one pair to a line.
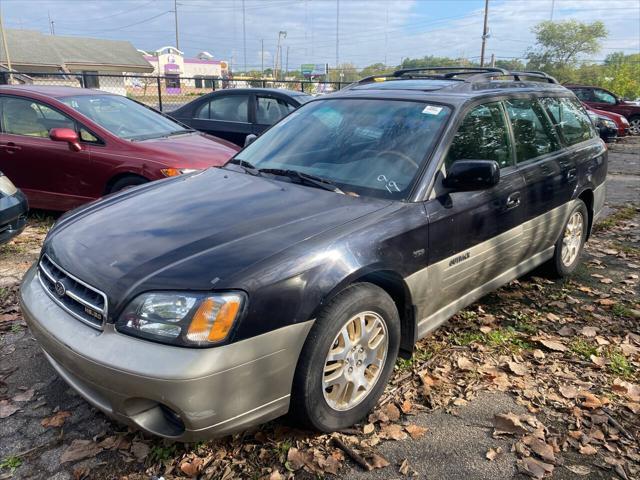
[165,93]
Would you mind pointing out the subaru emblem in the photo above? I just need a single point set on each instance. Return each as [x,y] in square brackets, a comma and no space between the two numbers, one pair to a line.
[60,289]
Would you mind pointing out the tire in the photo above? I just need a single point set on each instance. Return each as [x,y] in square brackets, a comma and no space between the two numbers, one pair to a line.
[562,264]
[127,182]
[313,405]
[634,123]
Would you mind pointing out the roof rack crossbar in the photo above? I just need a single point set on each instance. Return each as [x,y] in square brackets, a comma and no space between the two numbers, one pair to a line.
[403,71]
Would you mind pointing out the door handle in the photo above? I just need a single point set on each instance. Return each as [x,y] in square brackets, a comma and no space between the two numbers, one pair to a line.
[513,200]
[11,147]
[571,174]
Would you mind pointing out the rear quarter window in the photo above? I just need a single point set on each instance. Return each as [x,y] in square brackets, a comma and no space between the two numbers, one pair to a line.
[570,119]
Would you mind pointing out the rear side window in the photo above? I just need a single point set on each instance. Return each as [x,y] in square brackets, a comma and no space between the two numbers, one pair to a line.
[270,110]
[570,119]
[22,116]
[231,108]
[533,134]
[483,135]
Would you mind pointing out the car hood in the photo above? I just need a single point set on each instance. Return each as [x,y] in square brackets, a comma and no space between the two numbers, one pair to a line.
[192,150]
[193,231]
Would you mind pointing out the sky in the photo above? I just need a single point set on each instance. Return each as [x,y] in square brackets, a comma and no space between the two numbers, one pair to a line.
[368,31]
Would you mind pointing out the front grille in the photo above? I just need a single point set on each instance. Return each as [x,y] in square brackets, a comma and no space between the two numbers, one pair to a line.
[87,304]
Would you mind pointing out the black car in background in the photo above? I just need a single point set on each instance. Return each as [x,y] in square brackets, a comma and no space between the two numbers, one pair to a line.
[291,278]
[13,210]
[235,113]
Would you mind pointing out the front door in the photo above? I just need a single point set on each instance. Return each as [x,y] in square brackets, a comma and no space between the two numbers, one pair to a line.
[50,173]
[269,110]
[473,236]
[225,116]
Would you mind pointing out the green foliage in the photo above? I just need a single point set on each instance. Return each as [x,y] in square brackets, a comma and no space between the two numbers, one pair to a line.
[560,44]
[12,463]
[583,348]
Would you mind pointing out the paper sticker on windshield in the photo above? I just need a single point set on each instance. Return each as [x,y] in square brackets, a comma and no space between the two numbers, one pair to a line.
[432,110]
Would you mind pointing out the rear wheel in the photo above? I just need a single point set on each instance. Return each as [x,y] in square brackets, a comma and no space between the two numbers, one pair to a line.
[569,246]
[347,359]
[127,182]
[634,125]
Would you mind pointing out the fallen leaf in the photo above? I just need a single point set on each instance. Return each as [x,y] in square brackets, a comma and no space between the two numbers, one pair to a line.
[554,345]
[80,449]
[535,468]
[588,450]
[517,368]
[406,407]
[465,364]
[404,467]
[589,331]
[589,400]
[56,420]
[540,448]
[628,389]
[140,450]
[24,396]
[553,317]
[567,391]
[296,459]
[392,431]
[275,475]
[392,412]
[508,423]
[415,431]
[191,468]
[368,428]
[566,331]
[579,469]
[378,461]
[599,361]
[7,409]
[493,453]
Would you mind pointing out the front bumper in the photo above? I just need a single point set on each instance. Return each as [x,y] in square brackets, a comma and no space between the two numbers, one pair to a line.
[13,215]
[185,394]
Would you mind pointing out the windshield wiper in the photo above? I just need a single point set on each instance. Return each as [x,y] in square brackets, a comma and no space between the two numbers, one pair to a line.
[180,132]
[246,166]
[312,180]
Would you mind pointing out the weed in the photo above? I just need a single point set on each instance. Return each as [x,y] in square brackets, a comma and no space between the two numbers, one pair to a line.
[621,215]
[467,338]
[404,363]
[618,363]
[619,310]
[16,328]
[162,452]
[583,348]
[12,463]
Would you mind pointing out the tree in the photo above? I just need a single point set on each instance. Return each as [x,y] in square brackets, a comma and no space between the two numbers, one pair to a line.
[560,44]
[376,69]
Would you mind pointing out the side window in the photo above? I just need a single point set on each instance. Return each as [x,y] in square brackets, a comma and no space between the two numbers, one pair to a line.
[584,94]
[483,135]
[270,110]
[532,132]
[87,136]
[570,119]
[232,108]
[604,97]
[21,116]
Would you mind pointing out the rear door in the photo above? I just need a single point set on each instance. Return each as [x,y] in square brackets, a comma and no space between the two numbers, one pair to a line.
[225,115]
[269,109]
[474,236]
[50,173]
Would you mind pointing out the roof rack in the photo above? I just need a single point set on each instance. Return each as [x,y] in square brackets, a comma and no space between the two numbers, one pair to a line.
[471,74]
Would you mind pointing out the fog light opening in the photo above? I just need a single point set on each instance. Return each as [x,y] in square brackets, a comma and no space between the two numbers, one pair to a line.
[160,420]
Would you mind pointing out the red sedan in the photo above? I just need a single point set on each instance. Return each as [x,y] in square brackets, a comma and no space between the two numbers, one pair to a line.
[65,146]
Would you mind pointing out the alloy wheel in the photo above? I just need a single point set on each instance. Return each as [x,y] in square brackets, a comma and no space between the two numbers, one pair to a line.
[355,360]
[634,126]
[572,239]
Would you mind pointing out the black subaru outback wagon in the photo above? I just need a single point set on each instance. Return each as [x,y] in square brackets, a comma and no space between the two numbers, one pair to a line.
[292,278]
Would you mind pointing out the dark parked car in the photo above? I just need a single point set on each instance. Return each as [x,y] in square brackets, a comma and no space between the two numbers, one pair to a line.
[66,146]
[607,128]
[234,113]
[602,99]
[13,210]
[292,278]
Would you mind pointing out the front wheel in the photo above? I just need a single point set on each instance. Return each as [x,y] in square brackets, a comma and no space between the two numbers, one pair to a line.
[569,246]
[347,359]
[634,125]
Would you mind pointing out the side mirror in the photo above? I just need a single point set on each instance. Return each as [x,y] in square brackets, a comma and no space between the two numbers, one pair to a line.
[250,139]
[66,135]
[467,175]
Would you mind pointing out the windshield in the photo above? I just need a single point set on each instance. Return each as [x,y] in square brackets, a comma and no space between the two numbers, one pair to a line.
[124,117]
[365,147]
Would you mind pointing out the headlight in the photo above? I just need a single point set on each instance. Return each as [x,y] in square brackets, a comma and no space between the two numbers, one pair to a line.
[174,172]
[6,186]
[182,318]
[609,123]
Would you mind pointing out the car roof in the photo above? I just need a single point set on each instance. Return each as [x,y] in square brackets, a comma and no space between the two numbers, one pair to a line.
[54,91]
[283,91]
[455,85]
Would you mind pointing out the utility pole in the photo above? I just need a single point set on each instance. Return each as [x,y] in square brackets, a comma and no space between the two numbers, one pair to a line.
[553,4]
[337,33]
[484,31]
[52,29]
[386,34]
[244,38]
[286,63]
[6,48]
[493,59]
[262,57]
[175,16]
[278,63]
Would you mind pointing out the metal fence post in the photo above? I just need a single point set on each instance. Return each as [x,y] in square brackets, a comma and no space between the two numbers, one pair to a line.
[302,86]
[159,94]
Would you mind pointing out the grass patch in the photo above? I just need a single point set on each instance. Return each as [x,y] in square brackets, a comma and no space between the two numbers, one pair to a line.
[162,452]
[621,215]
[627,249]
[12,463]
[620,310]
[583,348]
[618,363]
[508,339]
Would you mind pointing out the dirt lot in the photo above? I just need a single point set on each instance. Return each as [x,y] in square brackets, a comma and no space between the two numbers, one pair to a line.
[539,379]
